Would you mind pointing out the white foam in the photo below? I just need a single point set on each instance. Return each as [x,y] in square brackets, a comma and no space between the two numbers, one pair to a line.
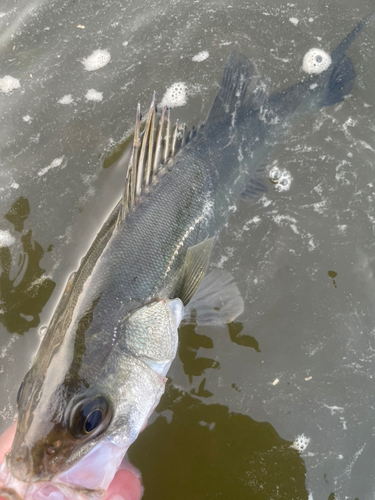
[66,99]
[8,83]
[300,443]
[175,95]
[94,95]
[6,239]
[55,163]
[98,59]
[201,56]
[294,20]
[26,118]
[316,61]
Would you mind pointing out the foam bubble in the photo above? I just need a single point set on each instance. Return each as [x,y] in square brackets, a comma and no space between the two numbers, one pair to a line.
[94,95]
[294,20]
[175,95]
[315,61]
[26,118]
[98,59]
[66,99]
[300,443]
[6,239]
[54,164]
[201,56]
[281,178]
[8,83]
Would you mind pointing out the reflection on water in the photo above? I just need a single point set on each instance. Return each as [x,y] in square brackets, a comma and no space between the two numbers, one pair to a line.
[235,330]
[190,342]
[24,290]
[200,451]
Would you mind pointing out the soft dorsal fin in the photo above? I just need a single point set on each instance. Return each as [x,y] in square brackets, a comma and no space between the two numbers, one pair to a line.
[238,74]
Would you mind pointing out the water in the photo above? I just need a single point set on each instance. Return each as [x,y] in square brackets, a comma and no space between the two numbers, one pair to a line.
[300,361]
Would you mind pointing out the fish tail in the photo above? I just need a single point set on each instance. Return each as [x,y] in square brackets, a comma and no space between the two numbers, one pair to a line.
[340,83]
[342,75]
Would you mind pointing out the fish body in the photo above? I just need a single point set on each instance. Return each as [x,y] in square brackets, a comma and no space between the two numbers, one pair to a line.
[100,370]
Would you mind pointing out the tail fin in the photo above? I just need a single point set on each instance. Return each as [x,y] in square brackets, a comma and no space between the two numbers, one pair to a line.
[340,51]
[342,75]
[340,83]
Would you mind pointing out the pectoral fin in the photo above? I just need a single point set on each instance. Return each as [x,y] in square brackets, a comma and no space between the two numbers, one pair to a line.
[196,264]
[216,302]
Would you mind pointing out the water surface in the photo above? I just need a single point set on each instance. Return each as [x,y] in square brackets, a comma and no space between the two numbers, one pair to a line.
[300,360]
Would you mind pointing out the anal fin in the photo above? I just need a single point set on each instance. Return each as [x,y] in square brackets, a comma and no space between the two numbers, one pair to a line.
[254,190]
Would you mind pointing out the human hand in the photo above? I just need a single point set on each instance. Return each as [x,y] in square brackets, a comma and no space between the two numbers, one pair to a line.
[126,484]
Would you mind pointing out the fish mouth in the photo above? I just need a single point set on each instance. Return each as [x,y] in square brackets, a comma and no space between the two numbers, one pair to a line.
[11,488]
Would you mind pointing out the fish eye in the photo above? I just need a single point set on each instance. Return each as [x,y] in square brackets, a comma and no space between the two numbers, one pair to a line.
[19,392]
[93,420]
[90,417]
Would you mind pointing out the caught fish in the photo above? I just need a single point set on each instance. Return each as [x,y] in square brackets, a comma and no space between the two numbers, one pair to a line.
[101,367]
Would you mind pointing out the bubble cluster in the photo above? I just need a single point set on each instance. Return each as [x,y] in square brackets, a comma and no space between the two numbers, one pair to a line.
[8,83]
[301,443]
[281,178]
[94,95]
[316,61]
[201,56]
[98,59]
[175,95]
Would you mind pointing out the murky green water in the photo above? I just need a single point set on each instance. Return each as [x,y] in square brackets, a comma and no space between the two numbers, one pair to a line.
[301,359]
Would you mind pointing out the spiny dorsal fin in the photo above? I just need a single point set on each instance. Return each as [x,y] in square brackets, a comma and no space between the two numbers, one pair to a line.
[238,74]
[151,149]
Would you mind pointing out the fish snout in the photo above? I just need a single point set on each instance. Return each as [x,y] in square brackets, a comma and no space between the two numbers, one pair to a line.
[40,465]
[20,464]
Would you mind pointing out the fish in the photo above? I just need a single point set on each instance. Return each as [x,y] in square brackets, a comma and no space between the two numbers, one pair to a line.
[101,367]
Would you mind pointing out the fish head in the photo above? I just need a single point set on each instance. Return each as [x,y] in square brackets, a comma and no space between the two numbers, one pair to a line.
[62,418]
[52,434]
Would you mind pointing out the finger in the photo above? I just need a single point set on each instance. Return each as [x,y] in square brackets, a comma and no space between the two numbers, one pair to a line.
[6,440]
[126,485]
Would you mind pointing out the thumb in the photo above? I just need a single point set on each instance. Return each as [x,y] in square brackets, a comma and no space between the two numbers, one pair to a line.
[126,484]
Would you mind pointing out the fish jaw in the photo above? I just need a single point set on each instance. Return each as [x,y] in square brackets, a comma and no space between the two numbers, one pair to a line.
[87,480]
